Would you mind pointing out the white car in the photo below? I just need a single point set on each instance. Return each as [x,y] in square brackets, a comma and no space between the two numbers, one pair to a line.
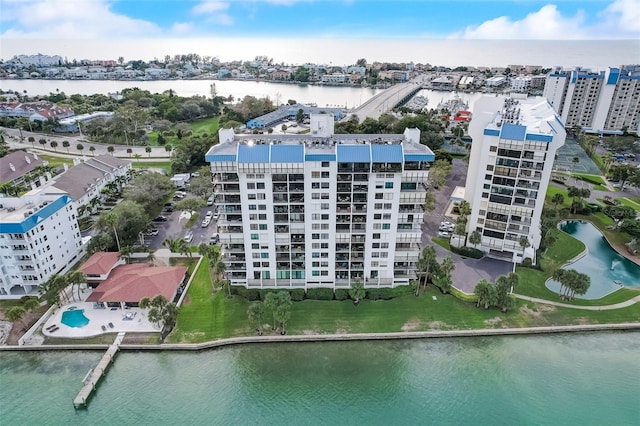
[206,222]
[188,237]
[210,201]
[216,215]
[443,234]
[209,215]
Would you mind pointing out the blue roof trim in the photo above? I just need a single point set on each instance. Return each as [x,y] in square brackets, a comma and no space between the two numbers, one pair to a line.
[354,153]
[420,157]
[253,153]
[491,132]
[386,153]
[320,157]
[630,77]
[40,215]
[287,153]
[513,132]
[541,138]
[559,121]
[614,73]
[574,76]
[212,158]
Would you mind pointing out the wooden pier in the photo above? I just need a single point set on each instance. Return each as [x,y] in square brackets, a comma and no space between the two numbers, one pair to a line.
[95,374]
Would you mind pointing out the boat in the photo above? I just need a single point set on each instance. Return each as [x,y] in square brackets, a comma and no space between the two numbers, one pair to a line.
[618,282]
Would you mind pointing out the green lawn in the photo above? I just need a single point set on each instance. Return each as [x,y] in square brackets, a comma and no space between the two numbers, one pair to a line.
[552,190]
[56,161]
[209,315]
[166,165]
[209,126]
[596,180]
[630,203]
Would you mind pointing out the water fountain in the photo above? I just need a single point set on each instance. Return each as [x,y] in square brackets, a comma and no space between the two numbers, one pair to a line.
[614,263]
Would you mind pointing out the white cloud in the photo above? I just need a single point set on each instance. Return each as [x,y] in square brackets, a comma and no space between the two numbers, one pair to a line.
[70,19]
[181,28]
[213,12]
[620,20]
[209,6]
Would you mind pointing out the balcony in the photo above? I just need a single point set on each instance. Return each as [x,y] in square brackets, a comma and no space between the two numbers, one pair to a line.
[279,188]
[296,199]
[360,188]
[361,178]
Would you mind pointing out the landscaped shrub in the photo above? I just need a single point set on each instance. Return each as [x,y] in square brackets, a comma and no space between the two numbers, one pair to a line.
[341,294]
[297,294]
[248,293]
[388,293]
[320,293]
[468,252]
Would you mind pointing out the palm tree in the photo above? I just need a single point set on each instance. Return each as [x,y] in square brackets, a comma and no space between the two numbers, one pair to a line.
[357,292]
[16,313]
[424,263]
[148,151]
[129,151]
[205,251]
[76,278]
[112,220]
[524,244]
[92,149]
[126,252]
[557,199]
[172,244]
[110,149]
[42,141]
[54,145]
[271,303]
[66,144]
[137,157]
[255,312]
[475,238]
[151,258]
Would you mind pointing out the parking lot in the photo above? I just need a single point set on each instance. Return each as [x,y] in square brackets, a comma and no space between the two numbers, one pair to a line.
[174,227]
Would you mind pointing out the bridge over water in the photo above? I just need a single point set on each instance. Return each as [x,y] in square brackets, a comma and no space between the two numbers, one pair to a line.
[385,101]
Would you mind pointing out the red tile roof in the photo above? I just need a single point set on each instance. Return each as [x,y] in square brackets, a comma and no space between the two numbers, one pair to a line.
[100,263]
[130,283]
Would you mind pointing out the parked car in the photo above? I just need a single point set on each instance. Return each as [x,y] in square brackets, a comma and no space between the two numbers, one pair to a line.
[443,234]
[216,215]
[206,222]
[152,233]
[160,219]
[188,237]
[169,204]
[209,215]
[210,201]
[168,209]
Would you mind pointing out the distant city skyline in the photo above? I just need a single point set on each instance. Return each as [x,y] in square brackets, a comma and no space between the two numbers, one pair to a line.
[144,29]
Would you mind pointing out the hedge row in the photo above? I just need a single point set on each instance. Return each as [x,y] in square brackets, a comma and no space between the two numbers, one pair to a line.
[299,294]
[465,251]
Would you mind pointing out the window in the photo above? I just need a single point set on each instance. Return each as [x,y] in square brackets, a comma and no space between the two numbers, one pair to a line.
[324,206]
[315,175]
[255,236]
[379,196]
[255,246]
[315,196]
[485,195]
[256,264]
[386,226]
[261,196]
[253,227]
[252,207]
[253,216]
[384,245]
[260,185]
[388,185]
[325,175]
[489,168]
[487,177]
[386,216]
[325,164]
[262,216]
[263,226]
[325,185]
[315,185]
[376,236]
[251,185]
[493,148]
[262,207]
[264,255]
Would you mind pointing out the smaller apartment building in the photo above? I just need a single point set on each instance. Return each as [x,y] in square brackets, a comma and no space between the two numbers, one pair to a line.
[39,237]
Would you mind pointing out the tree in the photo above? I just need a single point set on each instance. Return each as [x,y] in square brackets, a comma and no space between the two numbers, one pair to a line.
[557,199]
[475,238]
[129,151]
[112,220]
[300,115]
[255,312]
[619,213]
[65,144]
[577,194]
[131,220]
[631,227]
[76,278]
[524,244]
[447,266]
[206,251]
[80,147]
[438,173]
[190,204]
[137,157]
[92,149]
[149,190]
[271,303]
[42,141]
[110,149]
[443,282]
[357,292]
[16,313]
[283,310]
[54,145]
[424,265]
[147,149]
[485,292]
[622,173]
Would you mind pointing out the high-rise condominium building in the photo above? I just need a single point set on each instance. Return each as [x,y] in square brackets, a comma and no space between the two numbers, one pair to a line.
[599,102]
[514,144]
[320,209]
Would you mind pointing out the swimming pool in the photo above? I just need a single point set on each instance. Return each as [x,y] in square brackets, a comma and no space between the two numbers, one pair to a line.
[74,318]
[607,269]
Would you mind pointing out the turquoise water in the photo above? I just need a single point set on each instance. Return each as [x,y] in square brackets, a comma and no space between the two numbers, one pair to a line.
[74,318]
[561,379]
[602,263]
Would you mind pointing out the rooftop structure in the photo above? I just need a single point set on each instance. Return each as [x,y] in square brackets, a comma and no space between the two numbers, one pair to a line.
[72,124]
[15,165]
[286,112]
[320,210]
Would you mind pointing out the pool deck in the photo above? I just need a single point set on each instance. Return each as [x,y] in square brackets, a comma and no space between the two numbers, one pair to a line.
[97,319]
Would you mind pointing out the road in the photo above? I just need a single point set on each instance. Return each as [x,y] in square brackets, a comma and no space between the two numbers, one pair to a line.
[386,101]
[12,136]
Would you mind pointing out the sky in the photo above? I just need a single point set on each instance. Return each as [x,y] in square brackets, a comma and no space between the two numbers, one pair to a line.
[43,24]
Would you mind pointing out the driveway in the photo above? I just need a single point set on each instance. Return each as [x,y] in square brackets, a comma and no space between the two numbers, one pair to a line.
[468,271]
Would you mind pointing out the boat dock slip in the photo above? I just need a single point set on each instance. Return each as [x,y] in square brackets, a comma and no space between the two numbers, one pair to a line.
[94,375]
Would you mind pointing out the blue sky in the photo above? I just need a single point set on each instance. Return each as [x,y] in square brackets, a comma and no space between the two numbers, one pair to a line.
[520,19]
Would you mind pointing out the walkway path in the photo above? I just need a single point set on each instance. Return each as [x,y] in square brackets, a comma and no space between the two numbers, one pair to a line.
[624,304]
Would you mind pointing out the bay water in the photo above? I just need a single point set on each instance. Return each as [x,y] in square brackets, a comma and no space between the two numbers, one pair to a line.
[590,378]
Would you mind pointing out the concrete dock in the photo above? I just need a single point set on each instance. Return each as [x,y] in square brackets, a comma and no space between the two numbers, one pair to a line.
[94,375]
